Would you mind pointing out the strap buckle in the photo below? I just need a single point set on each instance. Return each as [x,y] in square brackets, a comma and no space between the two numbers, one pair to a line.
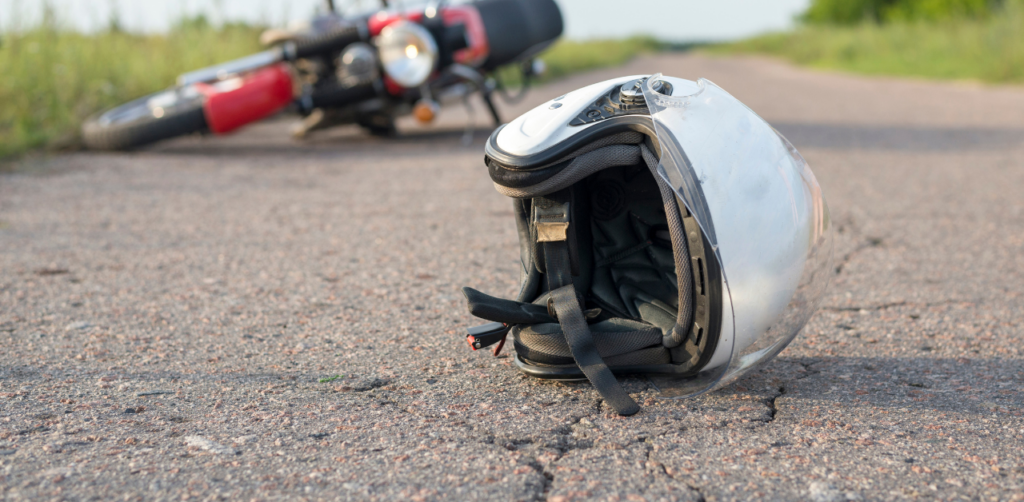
[551,220]
[487,335]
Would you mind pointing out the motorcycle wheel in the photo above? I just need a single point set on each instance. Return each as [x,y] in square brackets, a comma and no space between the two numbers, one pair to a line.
[164,115]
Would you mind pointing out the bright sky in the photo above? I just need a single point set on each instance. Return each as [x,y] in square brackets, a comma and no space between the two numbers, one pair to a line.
[672,20]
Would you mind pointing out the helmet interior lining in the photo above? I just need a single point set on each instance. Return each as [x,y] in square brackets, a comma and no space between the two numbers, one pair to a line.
[623,263]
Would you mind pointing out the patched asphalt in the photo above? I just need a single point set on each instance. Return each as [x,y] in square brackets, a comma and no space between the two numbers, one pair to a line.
[252,317]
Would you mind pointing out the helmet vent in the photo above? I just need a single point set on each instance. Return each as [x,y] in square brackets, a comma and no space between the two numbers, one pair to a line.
[700,283]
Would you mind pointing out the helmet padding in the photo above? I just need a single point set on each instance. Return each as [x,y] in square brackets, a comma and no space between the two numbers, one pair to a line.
[626,258]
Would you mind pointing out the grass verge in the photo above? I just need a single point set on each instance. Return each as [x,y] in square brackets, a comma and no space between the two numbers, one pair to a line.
[566,57]
[989,50]
[53,79]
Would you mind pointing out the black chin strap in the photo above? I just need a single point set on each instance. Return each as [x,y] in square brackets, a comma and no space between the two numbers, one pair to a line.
[552,219]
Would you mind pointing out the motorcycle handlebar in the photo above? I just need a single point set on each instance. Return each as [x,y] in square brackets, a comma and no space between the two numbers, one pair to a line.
[218,72]
[335,39]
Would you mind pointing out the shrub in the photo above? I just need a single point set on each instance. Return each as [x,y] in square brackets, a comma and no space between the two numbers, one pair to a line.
[849,12]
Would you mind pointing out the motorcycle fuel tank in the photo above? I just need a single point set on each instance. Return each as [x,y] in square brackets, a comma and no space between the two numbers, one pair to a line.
[233,103]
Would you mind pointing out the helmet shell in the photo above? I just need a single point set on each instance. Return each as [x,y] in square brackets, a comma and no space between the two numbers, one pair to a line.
[756,201]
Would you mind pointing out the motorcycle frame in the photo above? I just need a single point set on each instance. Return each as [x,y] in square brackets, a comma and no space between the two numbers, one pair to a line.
[391,99]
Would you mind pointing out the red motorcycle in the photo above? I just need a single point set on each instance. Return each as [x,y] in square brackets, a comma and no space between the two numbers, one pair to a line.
[366,70]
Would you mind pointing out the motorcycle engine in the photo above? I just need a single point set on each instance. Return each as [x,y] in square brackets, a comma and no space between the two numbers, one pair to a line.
[357,65]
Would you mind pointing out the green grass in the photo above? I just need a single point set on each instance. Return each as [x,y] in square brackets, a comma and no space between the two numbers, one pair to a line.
[330,379]
[566,57]
[883,11]
[989,49]
[52,79]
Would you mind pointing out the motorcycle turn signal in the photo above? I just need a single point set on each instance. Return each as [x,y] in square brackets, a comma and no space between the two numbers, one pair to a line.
[426,110]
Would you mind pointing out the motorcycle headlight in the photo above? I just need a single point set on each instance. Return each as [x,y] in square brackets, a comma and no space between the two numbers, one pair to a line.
[407,52]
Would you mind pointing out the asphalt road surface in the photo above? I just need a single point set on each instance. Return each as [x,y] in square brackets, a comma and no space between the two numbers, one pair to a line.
[170,318]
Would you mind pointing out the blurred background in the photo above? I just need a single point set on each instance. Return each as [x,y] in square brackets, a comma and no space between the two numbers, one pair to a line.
[66,59]
[670,20]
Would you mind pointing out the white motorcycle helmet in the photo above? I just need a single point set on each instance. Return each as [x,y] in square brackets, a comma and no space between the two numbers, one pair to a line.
[665,229]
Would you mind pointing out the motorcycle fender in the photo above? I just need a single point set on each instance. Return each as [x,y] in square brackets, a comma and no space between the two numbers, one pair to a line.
[230,105]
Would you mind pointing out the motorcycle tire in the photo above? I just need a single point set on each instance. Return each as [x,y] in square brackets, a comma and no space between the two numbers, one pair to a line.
[146,120]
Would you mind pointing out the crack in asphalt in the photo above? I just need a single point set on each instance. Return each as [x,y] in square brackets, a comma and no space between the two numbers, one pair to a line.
[771,404]
[855,308]
[885,306]
[485,437]
[562,439]
[868,243]
[549,479]
[563,445]
[865,243]
[660,468]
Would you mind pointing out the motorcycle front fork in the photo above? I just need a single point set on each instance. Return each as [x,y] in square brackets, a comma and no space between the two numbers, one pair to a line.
[489,101]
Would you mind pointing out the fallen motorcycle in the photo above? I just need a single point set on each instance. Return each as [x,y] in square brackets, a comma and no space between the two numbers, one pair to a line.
[366,70]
